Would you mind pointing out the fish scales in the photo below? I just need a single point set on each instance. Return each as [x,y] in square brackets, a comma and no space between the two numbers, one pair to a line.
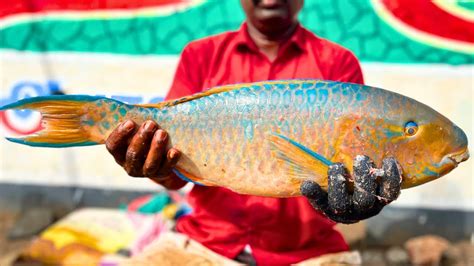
[293,112]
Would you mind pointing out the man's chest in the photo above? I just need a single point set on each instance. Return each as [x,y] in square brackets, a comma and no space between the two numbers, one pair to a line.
[243,68]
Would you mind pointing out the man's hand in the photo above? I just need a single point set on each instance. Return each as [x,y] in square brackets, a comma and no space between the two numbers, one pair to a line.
[142,152]
[369,197]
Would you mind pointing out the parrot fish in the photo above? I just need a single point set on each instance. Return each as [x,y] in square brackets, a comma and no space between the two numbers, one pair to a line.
[266,138]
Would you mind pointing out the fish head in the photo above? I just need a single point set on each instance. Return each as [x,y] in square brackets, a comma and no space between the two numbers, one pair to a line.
[426,144]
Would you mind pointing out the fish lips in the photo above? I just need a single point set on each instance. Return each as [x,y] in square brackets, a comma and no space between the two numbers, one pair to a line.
[452,160]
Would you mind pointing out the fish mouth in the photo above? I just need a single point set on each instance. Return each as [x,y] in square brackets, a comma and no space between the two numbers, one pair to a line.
[459,157]
[455,158]
[446,165]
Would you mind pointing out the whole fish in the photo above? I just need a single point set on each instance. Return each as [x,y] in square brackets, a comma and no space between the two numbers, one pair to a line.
[266,138]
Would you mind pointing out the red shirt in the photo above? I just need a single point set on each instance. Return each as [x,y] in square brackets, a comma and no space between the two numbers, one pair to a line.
[279,231]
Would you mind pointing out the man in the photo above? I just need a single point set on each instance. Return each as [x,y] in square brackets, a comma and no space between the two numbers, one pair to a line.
[270,45]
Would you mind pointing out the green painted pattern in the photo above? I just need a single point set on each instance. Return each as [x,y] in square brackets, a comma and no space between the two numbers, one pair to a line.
[351,23]
[467,4]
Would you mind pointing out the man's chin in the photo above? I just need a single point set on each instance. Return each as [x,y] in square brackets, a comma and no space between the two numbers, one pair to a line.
[271,14]
[273,25]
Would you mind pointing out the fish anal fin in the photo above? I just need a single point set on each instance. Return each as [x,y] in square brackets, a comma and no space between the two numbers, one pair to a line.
[186,176]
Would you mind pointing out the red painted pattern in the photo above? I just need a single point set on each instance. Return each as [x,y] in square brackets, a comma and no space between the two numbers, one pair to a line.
[426,16]
[13,7]
[10,125]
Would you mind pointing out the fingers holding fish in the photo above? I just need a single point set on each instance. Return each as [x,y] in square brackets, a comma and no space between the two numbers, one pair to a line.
[390,181]
[144,152]
[117,142]
[339,198]
[165,175]
[156,154]
[341,203]
[160,161]
[373,189]
[138,149]
[318,198]
[365,183]
[172,157]
[315,194]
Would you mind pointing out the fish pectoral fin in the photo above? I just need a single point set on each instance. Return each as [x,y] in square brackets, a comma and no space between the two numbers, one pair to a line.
[300,162]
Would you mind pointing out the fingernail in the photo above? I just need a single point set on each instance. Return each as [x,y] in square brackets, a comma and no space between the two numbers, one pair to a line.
[149,125]
[160,134]
[173,154]
[128,125]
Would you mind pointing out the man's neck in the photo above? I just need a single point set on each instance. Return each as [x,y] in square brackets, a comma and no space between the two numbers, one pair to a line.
[269,45]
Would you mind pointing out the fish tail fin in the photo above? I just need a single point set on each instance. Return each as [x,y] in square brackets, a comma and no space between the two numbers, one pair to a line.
[67,120]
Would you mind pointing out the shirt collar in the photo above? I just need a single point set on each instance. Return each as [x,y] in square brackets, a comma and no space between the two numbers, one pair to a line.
[243,40]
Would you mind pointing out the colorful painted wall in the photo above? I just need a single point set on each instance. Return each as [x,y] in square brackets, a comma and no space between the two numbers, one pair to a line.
[128,50]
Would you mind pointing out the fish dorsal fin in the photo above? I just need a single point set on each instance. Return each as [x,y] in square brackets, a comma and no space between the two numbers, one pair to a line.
[300,162]
[219,89]
[195,96]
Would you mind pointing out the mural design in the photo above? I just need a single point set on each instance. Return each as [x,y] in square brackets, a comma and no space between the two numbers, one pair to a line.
[420,20]
[164,26]
[18,12]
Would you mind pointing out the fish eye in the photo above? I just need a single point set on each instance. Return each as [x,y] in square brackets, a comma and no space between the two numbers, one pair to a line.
[411,128]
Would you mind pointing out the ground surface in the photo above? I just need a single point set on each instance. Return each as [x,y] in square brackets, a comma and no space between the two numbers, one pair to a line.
[9,249]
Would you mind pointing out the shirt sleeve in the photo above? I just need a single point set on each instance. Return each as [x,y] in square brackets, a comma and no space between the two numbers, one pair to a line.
[349,69]
[187,78]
